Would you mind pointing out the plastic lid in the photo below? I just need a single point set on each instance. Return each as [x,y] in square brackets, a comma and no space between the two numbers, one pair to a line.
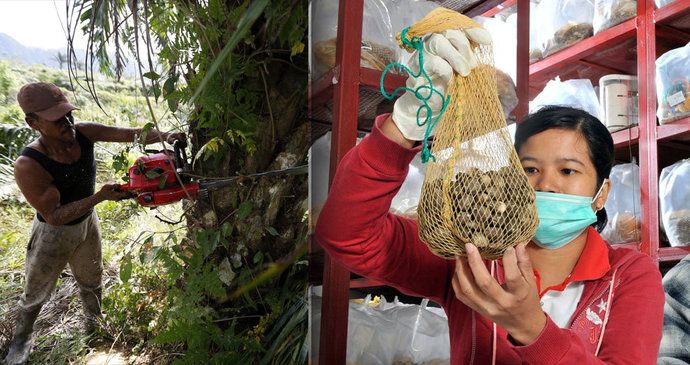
[613,77]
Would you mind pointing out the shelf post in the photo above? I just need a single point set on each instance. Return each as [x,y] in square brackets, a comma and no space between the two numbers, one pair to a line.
[649,187]
[522,70]
[336,279]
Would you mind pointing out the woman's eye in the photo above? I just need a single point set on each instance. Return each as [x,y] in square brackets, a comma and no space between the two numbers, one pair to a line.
[568,171]
[530,170]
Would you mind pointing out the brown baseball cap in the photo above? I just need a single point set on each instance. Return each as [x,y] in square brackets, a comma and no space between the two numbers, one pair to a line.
[44,99]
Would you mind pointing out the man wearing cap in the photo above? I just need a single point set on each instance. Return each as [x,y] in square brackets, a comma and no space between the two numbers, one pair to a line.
[57,175]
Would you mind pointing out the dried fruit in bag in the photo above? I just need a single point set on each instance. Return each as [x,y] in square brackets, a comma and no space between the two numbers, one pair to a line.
[475,190]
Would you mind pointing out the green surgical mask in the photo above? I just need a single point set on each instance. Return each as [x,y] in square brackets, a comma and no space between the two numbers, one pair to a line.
[562,217]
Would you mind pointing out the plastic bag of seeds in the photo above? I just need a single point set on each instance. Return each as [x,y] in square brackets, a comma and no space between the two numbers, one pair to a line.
[576,93]
[673,84]
[562,23]
[608,13]
[535,51]
[674,202]
[378,38]
[475,190]
[623,205]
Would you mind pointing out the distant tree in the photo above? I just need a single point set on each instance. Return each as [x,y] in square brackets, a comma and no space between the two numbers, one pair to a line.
[60,58]
[5,82]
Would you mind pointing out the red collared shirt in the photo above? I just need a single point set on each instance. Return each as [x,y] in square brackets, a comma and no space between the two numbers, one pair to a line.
[592,264]
[560,301]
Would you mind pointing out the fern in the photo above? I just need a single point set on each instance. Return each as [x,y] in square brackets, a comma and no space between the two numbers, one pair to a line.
[13,138]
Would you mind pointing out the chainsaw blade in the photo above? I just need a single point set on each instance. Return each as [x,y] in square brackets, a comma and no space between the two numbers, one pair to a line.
[222,183]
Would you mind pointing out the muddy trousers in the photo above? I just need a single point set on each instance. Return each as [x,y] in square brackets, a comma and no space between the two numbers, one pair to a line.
[49,250]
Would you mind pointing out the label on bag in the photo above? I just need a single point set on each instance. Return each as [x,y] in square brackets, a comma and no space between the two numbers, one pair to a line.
[675,99]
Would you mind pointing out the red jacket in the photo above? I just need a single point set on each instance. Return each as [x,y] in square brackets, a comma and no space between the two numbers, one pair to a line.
[357,230]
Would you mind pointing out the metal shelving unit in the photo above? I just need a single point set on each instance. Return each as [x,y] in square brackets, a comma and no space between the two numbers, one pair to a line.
[342,96]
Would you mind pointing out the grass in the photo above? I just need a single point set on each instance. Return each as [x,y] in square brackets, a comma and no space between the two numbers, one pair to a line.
[130,309]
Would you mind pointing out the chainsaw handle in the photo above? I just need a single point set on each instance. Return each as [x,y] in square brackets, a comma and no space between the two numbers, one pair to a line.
[180,155]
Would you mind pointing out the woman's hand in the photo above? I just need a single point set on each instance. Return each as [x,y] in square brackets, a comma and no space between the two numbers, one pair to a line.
[513,306]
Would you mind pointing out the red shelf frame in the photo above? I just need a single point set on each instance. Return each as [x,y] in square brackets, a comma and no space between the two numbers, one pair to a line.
[322,89]
[671,11]
[626,136]
[344,82]
[345,95]
[499,8]
[674,253]
[674,129]
[582,49]
[371,79]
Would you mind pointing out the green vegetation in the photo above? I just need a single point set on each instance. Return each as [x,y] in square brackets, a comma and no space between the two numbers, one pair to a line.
[228,285]
[129,308]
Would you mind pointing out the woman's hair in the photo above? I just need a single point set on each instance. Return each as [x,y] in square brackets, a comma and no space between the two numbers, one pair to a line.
[598,139]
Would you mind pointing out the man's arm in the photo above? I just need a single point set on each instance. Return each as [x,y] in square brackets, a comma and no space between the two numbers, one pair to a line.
[97,132]
[36,185]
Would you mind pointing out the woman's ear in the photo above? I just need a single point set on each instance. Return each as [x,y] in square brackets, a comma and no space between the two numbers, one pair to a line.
[600,200]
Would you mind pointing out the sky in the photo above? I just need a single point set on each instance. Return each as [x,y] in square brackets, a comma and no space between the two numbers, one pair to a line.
[37,23]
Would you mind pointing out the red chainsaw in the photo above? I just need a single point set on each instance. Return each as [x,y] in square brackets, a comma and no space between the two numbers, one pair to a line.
[161,178]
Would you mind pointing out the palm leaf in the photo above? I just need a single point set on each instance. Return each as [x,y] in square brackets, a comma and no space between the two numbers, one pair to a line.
[13,138]
[288,336]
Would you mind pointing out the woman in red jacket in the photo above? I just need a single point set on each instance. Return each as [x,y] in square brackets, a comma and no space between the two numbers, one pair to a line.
[567,297]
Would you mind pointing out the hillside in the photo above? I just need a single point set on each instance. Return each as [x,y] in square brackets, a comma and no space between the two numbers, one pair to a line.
[12,50]
[123,102]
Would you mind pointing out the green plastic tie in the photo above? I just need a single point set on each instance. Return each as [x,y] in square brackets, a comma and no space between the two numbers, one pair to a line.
[430,122]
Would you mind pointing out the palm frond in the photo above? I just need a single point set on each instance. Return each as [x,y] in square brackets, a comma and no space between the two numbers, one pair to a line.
[13,138]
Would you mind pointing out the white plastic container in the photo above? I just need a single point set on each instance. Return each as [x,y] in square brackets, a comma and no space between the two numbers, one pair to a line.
[618,100]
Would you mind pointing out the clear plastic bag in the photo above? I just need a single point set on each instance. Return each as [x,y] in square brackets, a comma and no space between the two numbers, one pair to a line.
[674,202]
[673,84]
[623,205]
[428,340]
[405,202]
[370,335]
[576,93]
[378,39]
[562,23]
[504,36]
[608,13]
[381,21]
[661,3]
[405,13]
[535,51]
[385,333]
[319,167]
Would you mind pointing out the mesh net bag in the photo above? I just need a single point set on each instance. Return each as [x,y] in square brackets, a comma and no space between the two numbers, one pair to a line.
[475,190]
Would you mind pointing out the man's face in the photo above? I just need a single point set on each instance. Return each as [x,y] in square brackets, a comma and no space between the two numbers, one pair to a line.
[61,129]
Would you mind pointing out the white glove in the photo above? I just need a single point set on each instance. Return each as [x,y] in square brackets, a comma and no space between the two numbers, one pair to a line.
[443,53]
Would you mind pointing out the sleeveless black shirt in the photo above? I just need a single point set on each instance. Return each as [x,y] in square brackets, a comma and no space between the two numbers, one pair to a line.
[74,181]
